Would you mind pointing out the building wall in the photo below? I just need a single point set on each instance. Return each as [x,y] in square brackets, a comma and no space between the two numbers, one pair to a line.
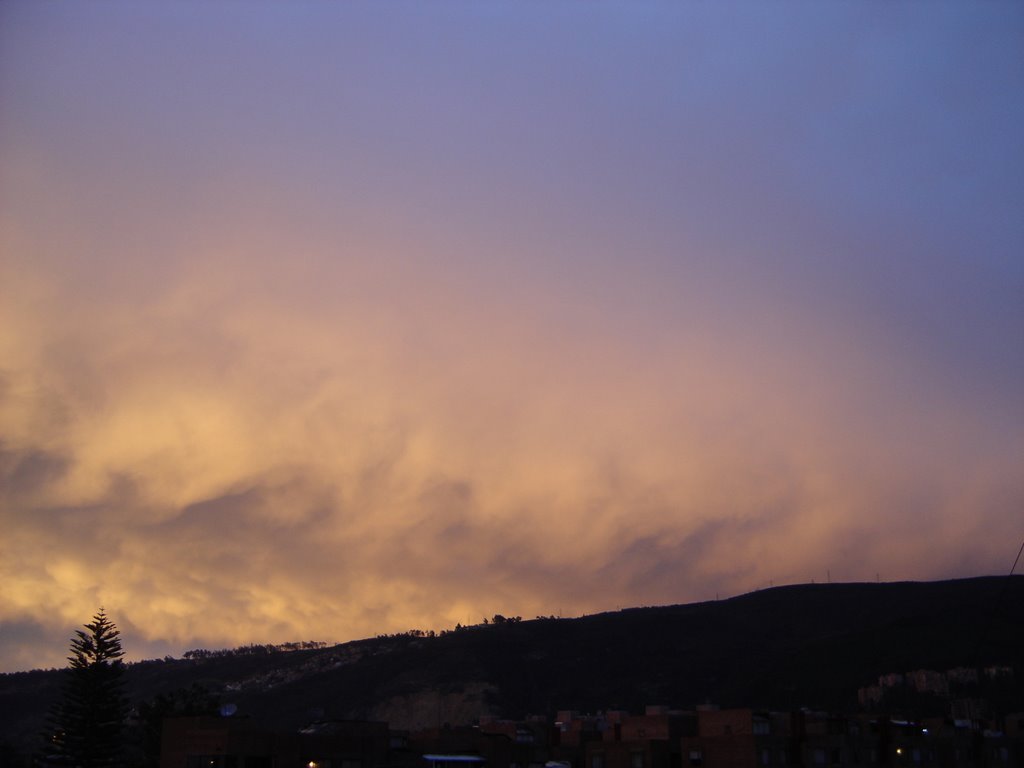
[209,742]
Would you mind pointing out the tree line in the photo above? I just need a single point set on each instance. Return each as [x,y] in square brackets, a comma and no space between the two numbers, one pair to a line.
[254,649]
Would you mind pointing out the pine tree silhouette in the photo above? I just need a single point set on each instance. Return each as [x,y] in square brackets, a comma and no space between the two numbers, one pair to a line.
[88,720]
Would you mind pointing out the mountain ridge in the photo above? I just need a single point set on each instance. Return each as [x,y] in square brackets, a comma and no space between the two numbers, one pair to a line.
[783,647]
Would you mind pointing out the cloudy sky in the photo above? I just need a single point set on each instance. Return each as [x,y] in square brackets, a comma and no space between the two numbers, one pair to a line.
[324,320]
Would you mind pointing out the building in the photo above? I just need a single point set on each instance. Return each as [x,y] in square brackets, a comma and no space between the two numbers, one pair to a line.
[226,742]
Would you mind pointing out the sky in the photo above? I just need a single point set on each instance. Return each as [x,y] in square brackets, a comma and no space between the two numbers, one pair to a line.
[325,320]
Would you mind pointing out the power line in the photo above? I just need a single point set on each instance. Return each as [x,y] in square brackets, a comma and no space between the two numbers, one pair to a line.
[1016,559]
[1004,584]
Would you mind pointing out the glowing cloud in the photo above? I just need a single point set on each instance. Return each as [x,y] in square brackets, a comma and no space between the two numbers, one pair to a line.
[495,317]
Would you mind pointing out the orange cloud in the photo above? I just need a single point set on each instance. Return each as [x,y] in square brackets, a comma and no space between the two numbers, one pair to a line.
[290,359]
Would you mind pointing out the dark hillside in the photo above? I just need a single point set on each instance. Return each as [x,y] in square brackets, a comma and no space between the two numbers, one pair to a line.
[808,645]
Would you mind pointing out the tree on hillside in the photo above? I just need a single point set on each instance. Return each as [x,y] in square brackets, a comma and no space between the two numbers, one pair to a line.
[88,719]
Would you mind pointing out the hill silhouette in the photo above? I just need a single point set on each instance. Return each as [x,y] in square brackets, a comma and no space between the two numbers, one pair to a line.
[807,645]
